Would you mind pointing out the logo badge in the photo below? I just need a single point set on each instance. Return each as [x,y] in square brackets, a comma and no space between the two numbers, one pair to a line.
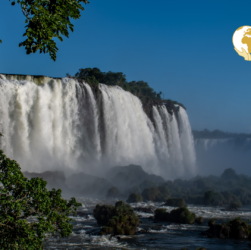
[242,42]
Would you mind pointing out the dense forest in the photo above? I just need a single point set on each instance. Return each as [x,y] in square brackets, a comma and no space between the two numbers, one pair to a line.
[211,190]
[141,89]
[217,134]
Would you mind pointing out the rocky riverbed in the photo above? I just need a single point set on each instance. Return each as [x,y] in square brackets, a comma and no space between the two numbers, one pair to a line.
[150,234]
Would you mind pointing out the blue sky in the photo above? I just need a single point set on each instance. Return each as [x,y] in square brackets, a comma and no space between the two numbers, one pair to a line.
[182,48]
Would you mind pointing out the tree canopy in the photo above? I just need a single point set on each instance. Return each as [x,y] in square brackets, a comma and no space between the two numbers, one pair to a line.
[46,20]
[139,88]
[28,212]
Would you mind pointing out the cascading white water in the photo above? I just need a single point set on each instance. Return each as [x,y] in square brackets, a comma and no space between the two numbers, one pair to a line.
[187,142]
[128,138]
[179,154]
[62,125]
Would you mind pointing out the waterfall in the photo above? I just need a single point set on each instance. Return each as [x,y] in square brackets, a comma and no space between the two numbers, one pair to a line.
[187,142]
[62,124]
[215,155]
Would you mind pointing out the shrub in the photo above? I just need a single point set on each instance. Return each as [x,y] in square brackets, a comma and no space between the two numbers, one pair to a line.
[199,220]
[134,198]
[235,205]
[180,215]
[174,202]
[235,229]
[120,219]
[161,214]
[214,199]
[211,222]
[112,192]
[150,194]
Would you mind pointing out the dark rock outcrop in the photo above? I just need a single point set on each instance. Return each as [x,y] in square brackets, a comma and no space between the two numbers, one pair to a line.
[229,174]
[134,198]
[84,184]
[118,220]
[235,229]
[130,176]
[154,194]
[179,215]
[113,193]
[149,210]
[199,220]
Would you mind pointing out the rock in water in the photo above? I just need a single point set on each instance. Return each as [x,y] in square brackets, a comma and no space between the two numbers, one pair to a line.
[235,229]
[174,202]
[180,215]
[134,198]
[119,219]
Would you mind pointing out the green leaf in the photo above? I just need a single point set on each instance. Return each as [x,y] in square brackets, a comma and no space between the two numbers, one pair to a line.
[22,198]
[47,19]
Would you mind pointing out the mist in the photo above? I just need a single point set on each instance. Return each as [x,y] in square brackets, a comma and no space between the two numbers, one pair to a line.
[215,153]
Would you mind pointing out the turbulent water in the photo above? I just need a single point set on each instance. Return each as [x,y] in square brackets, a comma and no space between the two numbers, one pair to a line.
[63,125]
[150,235]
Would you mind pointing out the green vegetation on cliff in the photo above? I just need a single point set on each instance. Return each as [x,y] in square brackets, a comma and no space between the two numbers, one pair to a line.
[47,20]
[141,89]
[229,190]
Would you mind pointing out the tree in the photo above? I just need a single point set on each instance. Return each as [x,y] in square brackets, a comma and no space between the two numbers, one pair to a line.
[47,19]
[28,212]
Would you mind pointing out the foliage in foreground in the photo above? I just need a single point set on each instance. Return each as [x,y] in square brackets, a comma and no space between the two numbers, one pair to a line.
[28,212]
[119,220]
[46,20]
